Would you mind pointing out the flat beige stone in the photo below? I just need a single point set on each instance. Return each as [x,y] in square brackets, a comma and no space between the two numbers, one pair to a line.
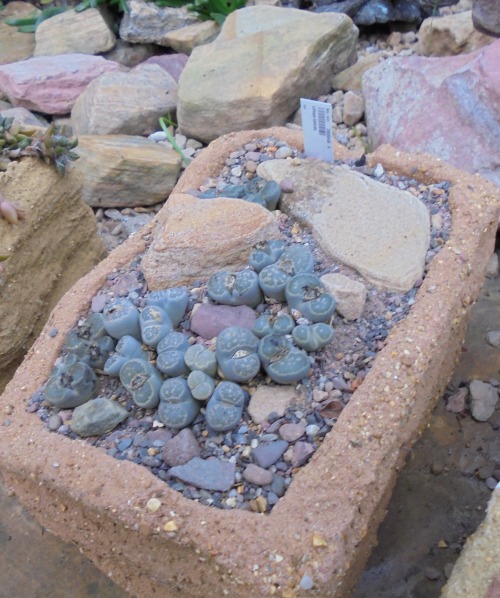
[184,40]
[124,170]
[350,78]
[84,32]
[265,59]
[271,399]
[349,294]
[197,237]
[380,231]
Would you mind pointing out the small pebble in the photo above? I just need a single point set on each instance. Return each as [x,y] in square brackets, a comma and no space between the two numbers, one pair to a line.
[306,583]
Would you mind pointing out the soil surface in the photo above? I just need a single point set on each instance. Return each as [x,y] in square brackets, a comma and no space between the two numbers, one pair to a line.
[438,502]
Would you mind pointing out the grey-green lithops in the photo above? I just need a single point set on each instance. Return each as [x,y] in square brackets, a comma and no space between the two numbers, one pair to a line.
[174,301]
[225,407]
[236,352]
[283,363]
[313,337]
[177,407]
[201,385]
[71,383]
[235,288]
[280,324]
[171,351]
[307,294]
[155,324]
[127,348]
[143,381]
[121,317]
[198,357]
[266,253]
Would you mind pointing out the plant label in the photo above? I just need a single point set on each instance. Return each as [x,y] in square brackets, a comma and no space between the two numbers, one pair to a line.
[317,128]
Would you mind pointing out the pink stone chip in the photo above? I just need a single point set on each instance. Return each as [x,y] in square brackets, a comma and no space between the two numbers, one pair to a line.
[51,84]
[208,320]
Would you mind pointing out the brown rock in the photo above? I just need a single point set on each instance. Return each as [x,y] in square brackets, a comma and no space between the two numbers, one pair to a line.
[187,38]
[350,78]
[129,103]
[208,319]
[486,16]
[450,35]
[54,246]
[198,237]
[15,45]
[124,170]
[457,402]
[353,108]
[257,475]
[70,32]
[181,448]
[130,55]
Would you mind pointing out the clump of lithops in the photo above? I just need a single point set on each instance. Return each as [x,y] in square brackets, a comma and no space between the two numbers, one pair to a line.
[50,145]
[161,366]
[264,193]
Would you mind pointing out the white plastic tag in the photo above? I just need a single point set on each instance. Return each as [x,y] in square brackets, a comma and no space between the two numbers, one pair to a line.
[317,129]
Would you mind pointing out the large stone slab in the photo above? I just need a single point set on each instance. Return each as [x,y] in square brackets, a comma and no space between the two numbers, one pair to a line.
[15,45]
[379,230]
[71,32]
[128,103]
[339,497]
[263,61]
[146,22]
[50,250]
[51,84]
[449,107]
[197,237]
[124,170]
[450,35]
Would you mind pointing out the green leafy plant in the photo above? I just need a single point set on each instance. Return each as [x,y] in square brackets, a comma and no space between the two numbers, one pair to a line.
[50,145]
[29,24]
[165,122]
[120,5]
[215,10]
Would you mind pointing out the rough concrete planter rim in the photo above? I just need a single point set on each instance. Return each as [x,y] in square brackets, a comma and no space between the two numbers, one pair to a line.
[85,496]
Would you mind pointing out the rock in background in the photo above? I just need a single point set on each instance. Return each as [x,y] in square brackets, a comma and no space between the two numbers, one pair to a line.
[15,45]
[54,246]
[265,59]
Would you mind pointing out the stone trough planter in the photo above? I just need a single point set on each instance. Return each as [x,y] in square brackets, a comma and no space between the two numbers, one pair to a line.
[326,524]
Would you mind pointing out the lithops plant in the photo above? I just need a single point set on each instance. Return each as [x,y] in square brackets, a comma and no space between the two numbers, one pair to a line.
[174,301]
[71,384]
[127,348]
[267,324]
[198,357]
[271,194]
[171,351]
[294,260]
[155,324]
[283,363]
[177,407]
[235,288]
[313,337]
[121,317]
[201,385]
[236,352]
[307,294]
[266,253]
[225,407]
[143,381]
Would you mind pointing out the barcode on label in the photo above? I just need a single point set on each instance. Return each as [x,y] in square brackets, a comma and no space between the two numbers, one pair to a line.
[317,129]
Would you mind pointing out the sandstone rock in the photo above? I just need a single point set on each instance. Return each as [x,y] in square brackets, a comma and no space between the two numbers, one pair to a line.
[22,117]
[271,399]
[267,90]
[129,103]
[350,78]
[186,39]
[51,84]
[343,207]
[149,23]
[483,400]
[450,35]
[72,32]
[54,246]
[130,55]
[172,63]
[97,416]
[197,237]
[123,170]
[353,108]
[208,320]
[349,294]
[15,45]
[448,107]
[486,16]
